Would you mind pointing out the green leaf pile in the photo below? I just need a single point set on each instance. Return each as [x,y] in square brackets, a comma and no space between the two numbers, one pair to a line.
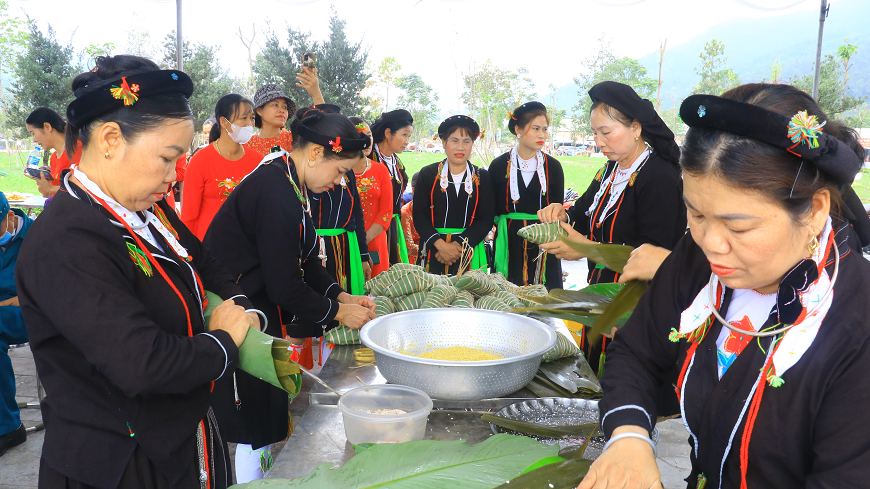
[427,464]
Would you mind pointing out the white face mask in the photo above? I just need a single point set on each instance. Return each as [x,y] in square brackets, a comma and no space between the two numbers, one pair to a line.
[241,135]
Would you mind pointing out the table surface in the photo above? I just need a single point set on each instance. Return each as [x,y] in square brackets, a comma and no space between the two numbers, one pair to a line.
[319,436]
[34,201]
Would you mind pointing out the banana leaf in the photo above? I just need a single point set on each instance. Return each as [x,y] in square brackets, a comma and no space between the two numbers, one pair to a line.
[612,256]
[263,356]
[424,464]
[541,386]
[572,374]
[622,304]
[580,430]
[605,289]
[560,296]
[561,475]
[567,310]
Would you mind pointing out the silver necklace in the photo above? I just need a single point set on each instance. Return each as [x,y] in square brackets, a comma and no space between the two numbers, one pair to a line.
[764,334]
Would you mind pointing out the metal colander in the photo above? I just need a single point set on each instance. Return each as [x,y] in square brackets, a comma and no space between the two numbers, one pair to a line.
[522,341]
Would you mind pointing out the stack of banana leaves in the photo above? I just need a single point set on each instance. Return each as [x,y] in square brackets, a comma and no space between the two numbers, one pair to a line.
[566,377]
[264,356]
[501,461]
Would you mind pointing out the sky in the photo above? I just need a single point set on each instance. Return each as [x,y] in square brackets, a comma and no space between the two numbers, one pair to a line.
[438,39]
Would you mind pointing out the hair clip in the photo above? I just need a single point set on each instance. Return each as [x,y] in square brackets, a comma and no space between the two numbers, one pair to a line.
[124,92]
[804,129]
[336,145]
[360,128]
[174,76]
[511,116]
[481,134]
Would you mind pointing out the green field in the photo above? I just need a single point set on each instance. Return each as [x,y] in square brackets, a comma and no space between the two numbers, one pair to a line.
[578,172]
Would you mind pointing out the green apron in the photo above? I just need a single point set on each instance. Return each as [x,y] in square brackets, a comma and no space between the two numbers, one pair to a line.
[501,238]
[403,245]
[357,279]
[478,260]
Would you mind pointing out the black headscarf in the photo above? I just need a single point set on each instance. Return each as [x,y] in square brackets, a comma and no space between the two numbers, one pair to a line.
[624,99]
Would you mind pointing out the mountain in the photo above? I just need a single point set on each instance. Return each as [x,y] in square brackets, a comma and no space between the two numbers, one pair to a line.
[753,45]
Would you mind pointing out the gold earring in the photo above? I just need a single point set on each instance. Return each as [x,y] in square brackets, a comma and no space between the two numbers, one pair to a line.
[107,155]
[813,245]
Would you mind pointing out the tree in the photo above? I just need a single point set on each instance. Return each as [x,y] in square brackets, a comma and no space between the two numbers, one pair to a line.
[420,100]
[139,40]
[491,92]
[43,74]
[385,74]
[775,71]
[340,64]
[716,77]
[602,66]
[845,53]
[662,48]
[249,44]
[833,98]
[210,81]
[342,72]
[13,37]
[95,50]
[279,65]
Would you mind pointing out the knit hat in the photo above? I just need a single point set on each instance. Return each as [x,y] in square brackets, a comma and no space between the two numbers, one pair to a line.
[270,92]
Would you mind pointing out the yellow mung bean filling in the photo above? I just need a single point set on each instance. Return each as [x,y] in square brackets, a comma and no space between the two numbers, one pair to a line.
[459,354]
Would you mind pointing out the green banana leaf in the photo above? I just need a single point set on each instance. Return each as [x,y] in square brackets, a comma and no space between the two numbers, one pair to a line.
[605,289]
[559,296]
[566,474]
[612,256]
[566,310]
[544,431]
[574,375]
[624,303]
[424,464]
[263,356]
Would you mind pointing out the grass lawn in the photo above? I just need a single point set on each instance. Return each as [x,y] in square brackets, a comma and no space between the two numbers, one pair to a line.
[579,172]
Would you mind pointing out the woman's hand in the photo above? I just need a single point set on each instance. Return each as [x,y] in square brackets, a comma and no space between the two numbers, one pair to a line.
[448,253]
[12,301]
[628,464]
[359,300]
[374,231]
[367,269]
[553,213]
[45,187]
[309,80]
[354,316]
[233,319]
[645,260]
[560,249]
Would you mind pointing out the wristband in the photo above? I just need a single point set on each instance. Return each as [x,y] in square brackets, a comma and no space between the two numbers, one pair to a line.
[262,315]
[633,435]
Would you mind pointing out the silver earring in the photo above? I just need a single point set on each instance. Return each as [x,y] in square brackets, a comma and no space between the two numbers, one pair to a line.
[107,155]
[635,138]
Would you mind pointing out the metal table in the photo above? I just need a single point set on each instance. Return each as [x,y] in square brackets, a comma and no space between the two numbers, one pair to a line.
[319,436]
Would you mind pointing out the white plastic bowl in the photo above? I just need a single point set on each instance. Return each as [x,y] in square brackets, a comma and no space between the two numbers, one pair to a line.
[361,427]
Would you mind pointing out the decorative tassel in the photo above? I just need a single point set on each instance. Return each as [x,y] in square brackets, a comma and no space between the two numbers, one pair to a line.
[125,92]
[675,335]
[805,129]
[140,259]
[775,380]
[601,361]
[702,481]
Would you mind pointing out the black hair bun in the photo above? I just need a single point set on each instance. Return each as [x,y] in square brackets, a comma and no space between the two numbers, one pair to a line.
[110,68]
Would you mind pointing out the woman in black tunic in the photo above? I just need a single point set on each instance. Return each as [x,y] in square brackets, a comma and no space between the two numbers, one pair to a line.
[525,180]
[391,134]
[635,198]
[264,234]
[759,317]
[111,286]
[453,202]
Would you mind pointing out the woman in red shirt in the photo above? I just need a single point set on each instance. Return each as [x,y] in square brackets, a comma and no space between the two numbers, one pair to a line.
[49,131]
[215,170]
[376,196]
[272,109]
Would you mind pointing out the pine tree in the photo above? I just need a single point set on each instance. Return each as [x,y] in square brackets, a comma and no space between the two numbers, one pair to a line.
[43,77]
[343,74]
[210,80]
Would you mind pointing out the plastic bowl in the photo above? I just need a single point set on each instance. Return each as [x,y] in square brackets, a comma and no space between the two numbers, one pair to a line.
[362,427]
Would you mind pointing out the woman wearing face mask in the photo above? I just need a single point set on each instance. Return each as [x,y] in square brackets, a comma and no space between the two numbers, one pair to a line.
[526,180]
[453,202]
[265,236]
[391,134]
[48,131]
[215,170]
[376,195]
[759,316]
[272,110]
